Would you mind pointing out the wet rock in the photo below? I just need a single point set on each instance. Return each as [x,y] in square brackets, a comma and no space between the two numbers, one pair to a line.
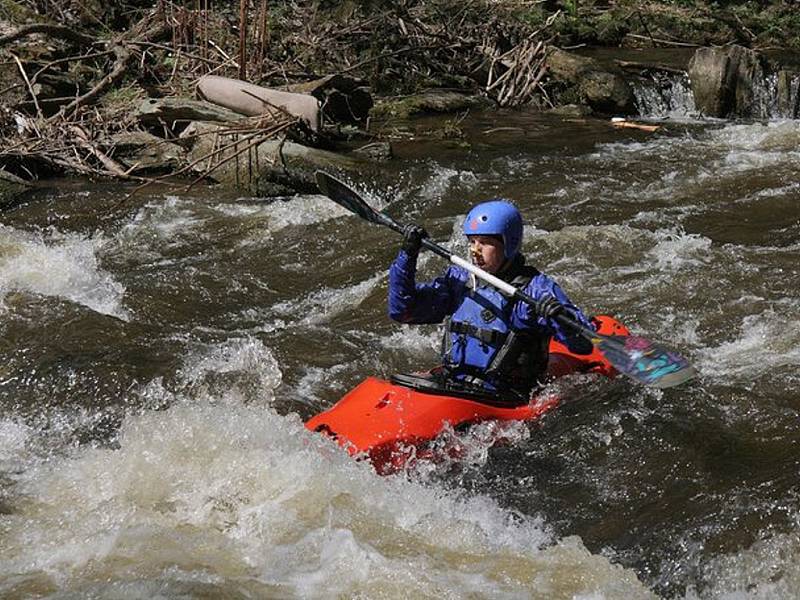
[269,168]
[145,153]
[788,94]
[604,89]
[724,81]
[12,189]
[432,101]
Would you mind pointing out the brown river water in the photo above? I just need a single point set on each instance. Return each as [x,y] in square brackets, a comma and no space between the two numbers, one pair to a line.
[157,360]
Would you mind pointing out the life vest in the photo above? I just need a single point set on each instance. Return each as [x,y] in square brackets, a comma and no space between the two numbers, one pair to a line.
[480,348]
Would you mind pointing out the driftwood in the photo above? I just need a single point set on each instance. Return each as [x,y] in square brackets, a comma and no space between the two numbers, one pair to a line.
[523,67]
[343,98]
[124,57]
[254,100]
[170,110]
[65,141]
[625,124]
[108,162]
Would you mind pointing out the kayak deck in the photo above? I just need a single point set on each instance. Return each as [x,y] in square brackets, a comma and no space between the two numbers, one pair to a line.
[387,422]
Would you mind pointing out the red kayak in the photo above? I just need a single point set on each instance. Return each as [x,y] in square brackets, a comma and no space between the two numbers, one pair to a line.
[389,422]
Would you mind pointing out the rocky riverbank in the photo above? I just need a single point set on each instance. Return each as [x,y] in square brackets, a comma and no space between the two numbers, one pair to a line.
[255,96]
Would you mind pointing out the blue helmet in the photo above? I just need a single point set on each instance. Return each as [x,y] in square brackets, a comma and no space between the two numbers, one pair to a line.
[497,217]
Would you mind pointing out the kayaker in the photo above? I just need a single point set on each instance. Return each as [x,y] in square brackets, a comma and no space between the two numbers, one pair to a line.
[490,344]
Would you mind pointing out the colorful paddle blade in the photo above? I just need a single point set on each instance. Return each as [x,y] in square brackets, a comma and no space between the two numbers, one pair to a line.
[645,361]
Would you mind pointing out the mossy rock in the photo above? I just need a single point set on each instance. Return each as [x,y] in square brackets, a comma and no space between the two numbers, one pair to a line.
[430,102]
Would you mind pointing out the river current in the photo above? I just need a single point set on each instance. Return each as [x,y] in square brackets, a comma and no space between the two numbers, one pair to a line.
[159,354]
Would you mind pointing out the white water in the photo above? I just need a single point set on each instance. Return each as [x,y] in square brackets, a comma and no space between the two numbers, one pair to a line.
[224,493]
[667,96]
[58,265]
[212,494]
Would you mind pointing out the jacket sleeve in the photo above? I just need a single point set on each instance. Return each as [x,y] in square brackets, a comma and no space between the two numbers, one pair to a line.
[412,302]
[525,316]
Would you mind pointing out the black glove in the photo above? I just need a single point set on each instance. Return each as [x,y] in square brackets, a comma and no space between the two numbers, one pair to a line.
[548,306]
[412,239]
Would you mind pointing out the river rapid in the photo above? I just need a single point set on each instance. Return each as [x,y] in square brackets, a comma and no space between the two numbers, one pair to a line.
[159,355]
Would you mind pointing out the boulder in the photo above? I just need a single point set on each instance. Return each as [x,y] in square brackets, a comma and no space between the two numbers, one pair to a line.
[146,153]
[269,168]
[724,81]
[253,100]
[604,89]
[431,101]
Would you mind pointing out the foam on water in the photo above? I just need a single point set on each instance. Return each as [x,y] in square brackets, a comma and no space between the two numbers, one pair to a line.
[412,339]
[442,179]
[773,137]
[768,570]
[298,210]
[242,498]
[316,378]
[14,436]
[59,265]
[764,342]
[168,217]
[217,495]
[675,249]
[244,360]
[684,170]
[322,305]
[168,223]
[160,226]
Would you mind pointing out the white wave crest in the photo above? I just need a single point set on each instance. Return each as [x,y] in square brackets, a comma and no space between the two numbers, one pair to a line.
[321,306]
[766,341]
[247,360]
[60,265]
[251,504]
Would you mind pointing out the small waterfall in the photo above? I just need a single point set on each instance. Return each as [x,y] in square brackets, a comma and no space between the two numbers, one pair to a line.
[774,95]
[662,94]
[665,95]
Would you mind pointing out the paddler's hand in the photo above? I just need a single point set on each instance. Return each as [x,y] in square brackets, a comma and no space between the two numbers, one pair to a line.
[548,307]
[412,239]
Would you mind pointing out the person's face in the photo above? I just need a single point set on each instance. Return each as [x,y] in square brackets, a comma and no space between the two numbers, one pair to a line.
[486,252]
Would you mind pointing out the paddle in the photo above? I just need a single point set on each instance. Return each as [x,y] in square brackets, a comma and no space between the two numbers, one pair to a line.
[637,357]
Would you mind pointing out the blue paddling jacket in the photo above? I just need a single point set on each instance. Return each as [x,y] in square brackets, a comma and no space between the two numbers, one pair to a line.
[490,341]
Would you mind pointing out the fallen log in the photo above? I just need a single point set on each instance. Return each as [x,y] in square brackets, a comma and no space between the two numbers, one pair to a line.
[253,100]
[170,110]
